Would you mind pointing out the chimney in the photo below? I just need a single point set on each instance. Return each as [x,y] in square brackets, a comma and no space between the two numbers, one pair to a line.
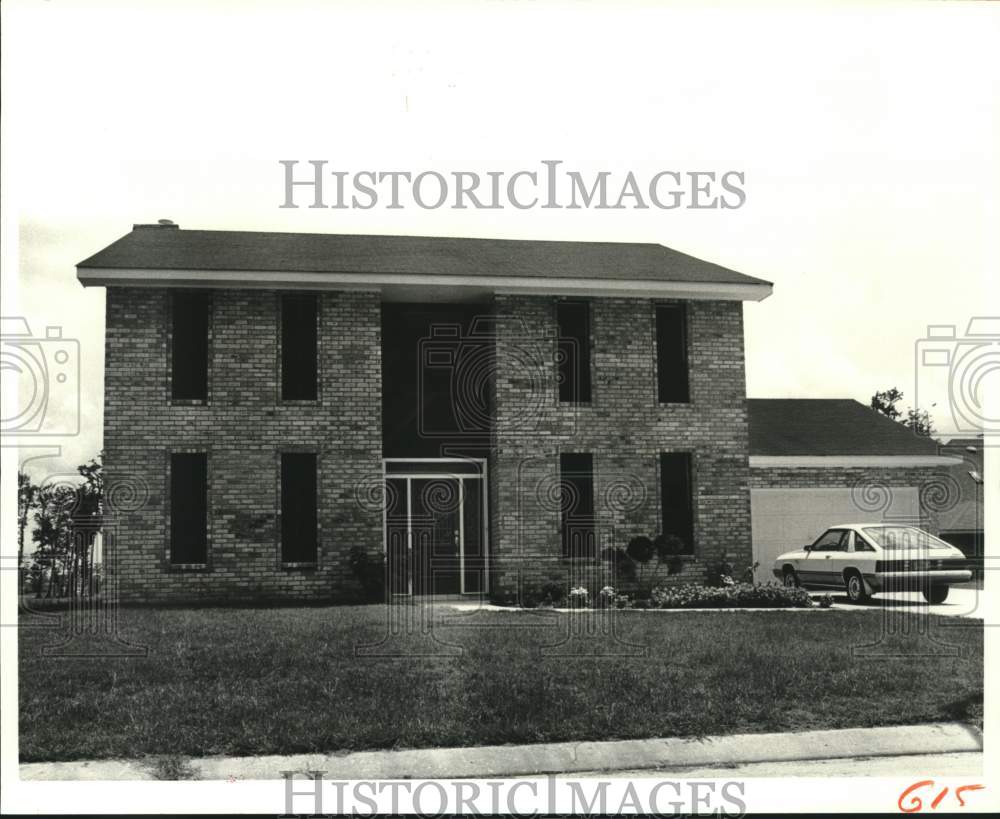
[161,224]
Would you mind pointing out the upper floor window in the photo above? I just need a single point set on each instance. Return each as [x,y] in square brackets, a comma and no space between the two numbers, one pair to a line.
[299,314]
[573,318]
[189,345]
[576,484]
[671,354]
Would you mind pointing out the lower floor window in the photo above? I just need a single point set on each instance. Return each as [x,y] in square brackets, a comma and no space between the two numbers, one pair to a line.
[298,507]
[188,507]
[675,498]
[576,487]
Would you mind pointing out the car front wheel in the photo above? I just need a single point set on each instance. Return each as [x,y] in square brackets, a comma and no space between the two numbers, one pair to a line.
[791,579]
[936,594]
[856,591]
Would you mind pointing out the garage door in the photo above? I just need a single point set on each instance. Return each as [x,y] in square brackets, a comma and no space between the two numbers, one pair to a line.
[785,519]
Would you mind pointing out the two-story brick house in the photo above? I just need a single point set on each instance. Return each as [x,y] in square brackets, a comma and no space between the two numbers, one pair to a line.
[489,414]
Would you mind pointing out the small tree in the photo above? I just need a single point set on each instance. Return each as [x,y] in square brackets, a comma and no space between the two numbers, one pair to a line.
[916,419]
[90,504]
[27,501]
[54,533]
[885,403]
[920,422]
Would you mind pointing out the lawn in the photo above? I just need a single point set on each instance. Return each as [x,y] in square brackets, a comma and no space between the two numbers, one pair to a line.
[278,681]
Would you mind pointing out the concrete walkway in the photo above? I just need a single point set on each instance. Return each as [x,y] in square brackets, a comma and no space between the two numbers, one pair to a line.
[961,602]
[726,752]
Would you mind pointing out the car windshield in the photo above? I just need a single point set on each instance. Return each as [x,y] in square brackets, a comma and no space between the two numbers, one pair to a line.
[903,537]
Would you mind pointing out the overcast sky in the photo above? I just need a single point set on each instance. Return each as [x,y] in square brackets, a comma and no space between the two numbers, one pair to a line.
[867,135]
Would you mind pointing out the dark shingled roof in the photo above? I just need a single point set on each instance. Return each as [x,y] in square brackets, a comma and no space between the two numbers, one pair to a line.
[156,247]
[828,426]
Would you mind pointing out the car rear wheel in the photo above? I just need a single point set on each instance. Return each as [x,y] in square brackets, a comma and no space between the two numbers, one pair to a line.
[936,594]
[790,579]
[856,591]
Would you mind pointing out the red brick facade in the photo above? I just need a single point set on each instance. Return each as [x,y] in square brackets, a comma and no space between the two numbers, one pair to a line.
[244,426]
[625,429]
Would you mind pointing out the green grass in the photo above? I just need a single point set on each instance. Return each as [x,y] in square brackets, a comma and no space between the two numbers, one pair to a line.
[279,681]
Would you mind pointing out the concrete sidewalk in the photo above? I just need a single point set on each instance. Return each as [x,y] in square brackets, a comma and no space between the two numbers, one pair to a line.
[560,757]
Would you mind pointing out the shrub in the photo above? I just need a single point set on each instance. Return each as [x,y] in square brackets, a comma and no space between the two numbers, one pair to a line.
[721,573]
[668,549]
[606,598]
[735,595]
[643,559]
[370,574]
[825,601]
[622,566]
[553,592]
[579,598]
[531,598]
[502,597]
[640,549]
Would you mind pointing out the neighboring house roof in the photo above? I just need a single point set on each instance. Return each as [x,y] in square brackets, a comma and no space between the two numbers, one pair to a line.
[834,432]
[164,254]
[962,443]
[967,512]
[966,515]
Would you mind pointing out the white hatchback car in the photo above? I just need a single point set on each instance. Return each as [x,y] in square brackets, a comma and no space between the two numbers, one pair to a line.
[865,558]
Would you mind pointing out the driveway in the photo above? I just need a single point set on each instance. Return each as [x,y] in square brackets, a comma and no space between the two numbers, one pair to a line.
[961,602]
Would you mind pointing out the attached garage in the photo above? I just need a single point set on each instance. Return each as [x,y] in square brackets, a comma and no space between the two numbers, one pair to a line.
[784,519]
[815,463]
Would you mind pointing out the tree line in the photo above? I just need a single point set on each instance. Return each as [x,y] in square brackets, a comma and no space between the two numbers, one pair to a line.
[64,562]
[919,420]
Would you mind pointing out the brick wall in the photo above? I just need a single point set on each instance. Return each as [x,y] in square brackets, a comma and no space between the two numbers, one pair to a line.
[624,428]
[243,427]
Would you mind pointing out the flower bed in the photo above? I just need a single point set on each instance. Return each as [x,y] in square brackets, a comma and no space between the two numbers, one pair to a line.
[736,595]
[685,596]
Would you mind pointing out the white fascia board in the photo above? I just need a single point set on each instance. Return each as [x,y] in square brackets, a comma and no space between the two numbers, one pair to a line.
[842,461]
[512,285]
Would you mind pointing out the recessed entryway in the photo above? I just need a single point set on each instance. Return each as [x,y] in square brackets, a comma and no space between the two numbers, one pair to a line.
[435,526]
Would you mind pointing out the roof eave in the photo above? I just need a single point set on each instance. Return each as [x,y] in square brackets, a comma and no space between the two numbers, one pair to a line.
[753,290]
[842,461]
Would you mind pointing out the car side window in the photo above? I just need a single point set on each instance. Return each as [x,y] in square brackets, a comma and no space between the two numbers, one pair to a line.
[831,541]
[860,545]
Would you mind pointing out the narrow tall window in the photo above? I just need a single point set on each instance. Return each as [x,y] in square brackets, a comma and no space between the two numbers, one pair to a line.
[189,350]
[298,507]
[298,347]
[188,507]
[671,354]
[573,318]
[576,481]
[675,497]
